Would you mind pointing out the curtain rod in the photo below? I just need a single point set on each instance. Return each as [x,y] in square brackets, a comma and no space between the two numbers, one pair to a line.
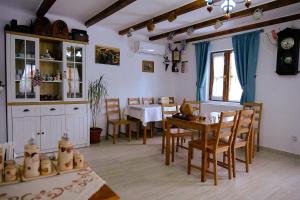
[228,35]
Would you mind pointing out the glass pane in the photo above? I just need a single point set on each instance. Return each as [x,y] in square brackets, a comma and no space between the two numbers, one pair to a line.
[235,90]
[20,90]
[78,54]
[78,89]
[78,72]
[218,63]
[20,48]
[20,68]
[70,54]
[30,50]
[29,74]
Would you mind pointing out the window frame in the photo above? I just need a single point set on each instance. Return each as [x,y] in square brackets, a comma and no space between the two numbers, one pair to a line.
[226,79]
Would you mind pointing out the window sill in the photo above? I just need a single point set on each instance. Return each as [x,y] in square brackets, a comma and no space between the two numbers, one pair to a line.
[223,103]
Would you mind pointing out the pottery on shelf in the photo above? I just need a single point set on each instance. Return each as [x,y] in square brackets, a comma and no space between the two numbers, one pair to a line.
[10,171]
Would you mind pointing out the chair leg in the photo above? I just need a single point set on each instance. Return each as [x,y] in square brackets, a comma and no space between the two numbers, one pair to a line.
[152,129]
[233,161]
[163,143]
[215,169]
[229,164]
[247,156]
[257,141]
[119,129]
[129,132]
[137,130]
[114,134]
[107,129]
[177,144]
[190,152]
[173,148]
[224,157]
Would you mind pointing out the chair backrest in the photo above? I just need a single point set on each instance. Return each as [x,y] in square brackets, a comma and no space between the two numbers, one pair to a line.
[167,110]
[244,124]
[148,100]
[172,100]
[134,101]
[257,107]
[167,100]
[196,105]
[227,123]
[112,108]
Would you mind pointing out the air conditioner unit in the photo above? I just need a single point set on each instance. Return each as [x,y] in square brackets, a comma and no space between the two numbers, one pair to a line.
[150,48]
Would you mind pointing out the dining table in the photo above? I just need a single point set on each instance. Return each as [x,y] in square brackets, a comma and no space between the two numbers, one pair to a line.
[75,185]
[146,113]
[204,123]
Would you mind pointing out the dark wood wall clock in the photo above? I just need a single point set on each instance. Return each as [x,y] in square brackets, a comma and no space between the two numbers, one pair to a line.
[288,52]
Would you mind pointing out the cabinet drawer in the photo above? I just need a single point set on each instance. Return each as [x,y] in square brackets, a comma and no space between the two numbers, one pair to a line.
[26,111]
[75,109]
[52,110]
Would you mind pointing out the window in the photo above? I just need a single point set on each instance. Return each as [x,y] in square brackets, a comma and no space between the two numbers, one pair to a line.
[224,84]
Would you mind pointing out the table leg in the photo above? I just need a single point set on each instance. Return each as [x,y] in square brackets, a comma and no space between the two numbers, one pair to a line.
[145,135]
[168,143]
[204,154]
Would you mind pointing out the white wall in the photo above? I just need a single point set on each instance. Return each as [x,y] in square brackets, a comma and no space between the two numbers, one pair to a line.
[126,80]
[280,94]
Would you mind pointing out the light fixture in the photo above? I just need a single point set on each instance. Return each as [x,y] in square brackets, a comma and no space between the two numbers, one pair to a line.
[172,16]
[218,24]
[129,33]
[258,14]
[171,36]
[150,26]
[190,31]
[227,5]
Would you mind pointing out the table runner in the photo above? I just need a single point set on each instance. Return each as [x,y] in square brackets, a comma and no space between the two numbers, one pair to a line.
[78,185]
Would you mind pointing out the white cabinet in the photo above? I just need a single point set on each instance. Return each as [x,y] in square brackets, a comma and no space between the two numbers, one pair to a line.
[52,128]
[25,128]
[75,127]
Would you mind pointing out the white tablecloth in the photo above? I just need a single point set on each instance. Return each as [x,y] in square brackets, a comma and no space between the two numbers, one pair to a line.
[146,113]
[78,185]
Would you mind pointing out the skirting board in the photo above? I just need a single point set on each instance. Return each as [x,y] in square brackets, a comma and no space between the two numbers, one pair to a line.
[280,152]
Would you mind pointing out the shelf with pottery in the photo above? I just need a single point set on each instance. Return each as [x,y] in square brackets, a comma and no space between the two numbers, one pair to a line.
[46,85]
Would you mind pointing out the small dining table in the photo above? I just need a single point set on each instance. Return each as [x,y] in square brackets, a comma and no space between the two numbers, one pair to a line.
[145,113]
[204,123]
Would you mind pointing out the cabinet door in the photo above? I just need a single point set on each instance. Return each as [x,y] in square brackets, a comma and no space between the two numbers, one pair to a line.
[76,127]
[24,65]
[52,128]
[74,69]
[25,128]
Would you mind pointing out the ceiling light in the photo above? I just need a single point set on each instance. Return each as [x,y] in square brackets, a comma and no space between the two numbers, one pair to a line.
[227,5]
[150,26]
[129,33]
[258,14]
[172,16]
[171,36]
[190,31]
[218,24]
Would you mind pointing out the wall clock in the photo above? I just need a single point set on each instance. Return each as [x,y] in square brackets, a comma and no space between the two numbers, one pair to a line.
[288,52]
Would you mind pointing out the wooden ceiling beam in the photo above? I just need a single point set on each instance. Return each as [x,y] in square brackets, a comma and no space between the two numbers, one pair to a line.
[236,15]
[44,7]
[245,28]
[115,7]
[163,17]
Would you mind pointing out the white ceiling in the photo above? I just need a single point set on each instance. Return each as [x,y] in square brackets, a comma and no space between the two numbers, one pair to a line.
[141,10]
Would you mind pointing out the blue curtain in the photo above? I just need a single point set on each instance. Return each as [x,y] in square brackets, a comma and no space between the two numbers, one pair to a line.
[245,48]
[201,50]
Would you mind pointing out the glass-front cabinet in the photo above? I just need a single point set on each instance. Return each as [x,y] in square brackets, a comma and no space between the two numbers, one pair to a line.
[74,55]
[24,63]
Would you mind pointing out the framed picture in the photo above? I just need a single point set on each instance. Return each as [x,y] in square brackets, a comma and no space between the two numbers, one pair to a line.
[148,66]
[107,55]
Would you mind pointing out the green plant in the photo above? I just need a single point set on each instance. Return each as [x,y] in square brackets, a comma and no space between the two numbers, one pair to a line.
[97,92]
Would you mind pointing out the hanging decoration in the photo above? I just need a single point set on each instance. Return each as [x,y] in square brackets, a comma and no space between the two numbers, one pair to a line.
[37,79]
[176,55]
[166,62]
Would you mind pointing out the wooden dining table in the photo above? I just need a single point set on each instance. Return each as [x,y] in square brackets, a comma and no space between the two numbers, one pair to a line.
[204,123]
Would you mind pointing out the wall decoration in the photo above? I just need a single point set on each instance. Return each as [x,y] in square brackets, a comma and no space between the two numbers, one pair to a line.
[107,55]
[288,52]
[176,55]
[148,66]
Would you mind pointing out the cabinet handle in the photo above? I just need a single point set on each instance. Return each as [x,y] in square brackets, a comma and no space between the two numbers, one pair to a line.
[52,109]
[38,133]
[43,133]
[26,110]
[76,108]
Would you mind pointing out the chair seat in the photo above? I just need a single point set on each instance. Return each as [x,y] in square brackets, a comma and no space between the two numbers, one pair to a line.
[118,121]
[223,146]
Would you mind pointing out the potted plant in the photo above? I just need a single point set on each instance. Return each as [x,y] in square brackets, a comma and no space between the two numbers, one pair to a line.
[97,92]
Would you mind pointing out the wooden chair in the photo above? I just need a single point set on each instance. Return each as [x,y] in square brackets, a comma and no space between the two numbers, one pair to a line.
[147,101]
[135,101]
[257,107]
[172,100]
[243,127]
[167,100]
[216,145]
[174,132]
[113,117]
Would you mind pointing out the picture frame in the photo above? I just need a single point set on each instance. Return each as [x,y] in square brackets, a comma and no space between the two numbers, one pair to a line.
[107,55]
[148,66]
